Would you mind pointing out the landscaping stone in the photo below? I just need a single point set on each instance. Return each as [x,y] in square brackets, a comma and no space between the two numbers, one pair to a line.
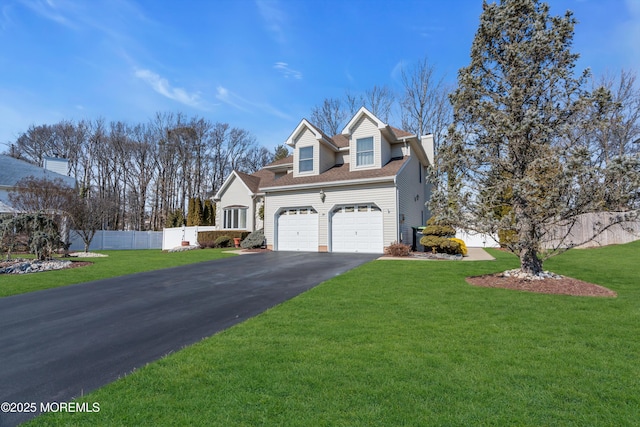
[184,248]
[87,255]
[519,274]
[25,266]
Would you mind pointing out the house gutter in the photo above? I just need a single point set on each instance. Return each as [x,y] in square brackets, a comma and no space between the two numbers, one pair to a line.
[325,184]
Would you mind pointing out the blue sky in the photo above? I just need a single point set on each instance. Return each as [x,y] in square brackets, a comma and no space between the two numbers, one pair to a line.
[256,64]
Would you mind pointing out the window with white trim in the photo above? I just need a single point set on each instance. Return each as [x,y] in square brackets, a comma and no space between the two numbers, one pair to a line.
[364,151]
[235,218]
[305,159]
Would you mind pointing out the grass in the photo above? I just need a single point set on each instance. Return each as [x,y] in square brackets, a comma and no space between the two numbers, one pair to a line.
[118,263]
[406,343]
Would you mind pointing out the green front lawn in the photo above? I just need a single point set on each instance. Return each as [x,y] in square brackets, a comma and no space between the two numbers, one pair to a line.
[118,263]
[407,343]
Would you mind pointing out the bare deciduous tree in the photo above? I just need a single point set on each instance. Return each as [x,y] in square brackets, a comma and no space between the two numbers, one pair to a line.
[425,105]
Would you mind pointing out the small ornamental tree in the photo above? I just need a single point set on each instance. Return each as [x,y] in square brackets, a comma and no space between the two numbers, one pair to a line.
[87,213]
[438,238]
[42,231]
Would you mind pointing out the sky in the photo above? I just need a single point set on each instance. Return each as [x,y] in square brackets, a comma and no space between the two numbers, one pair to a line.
[260,65]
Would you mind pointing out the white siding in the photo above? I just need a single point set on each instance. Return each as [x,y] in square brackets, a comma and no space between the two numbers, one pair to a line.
[305,139]
[342,158]
[382,194]
[385,152]
[411,198]
[236,194]
[327,158]
[364,128]
[396,150]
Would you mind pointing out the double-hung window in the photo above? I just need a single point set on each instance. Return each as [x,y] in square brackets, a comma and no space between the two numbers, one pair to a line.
[364,151]
[235,218]
[306,159]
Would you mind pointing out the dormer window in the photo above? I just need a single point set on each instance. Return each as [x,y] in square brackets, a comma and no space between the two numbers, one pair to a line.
[305,159]
[364,151]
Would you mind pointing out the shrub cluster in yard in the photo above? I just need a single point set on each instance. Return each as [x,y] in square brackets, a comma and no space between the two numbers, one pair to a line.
[397,249]
[253,240]
[223,242]
[439,238]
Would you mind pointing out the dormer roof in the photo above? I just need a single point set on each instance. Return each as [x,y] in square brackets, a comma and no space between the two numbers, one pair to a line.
[317,133]
[348,129]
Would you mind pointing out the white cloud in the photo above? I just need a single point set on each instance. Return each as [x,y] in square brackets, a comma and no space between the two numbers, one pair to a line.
[164,88]
[53,11]
[396,71]
[230,98]
[274,18]
[287,72]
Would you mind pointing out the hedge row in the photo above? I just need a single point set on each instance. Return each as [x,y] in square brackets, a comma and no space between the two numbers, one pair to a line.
[212,236]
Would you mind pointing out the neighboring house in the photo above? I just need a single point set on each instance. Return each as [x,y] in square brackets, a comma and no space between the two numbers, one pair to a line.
[13,170]
[358,191]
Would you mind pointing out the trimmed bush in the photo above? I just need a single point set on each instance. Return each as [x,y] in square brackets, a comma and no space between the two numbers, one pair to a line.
[449,246]
[463,246]
[431,243]
[397,249]
[207,244]
[253,240]
[224,242]
[438,229]
[440,237]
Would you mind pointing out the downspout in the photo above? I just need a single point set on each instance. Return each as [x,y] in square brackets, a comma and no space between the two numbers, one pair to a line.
[397,213]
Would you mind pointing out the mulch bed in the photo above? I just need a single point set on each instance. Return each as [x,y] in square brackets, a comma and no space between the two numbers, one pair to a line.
[564,286]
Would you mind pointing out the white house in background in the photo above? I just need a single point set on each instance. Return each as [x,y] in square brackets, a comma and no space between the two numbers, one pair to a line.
[13,170]
[358,191]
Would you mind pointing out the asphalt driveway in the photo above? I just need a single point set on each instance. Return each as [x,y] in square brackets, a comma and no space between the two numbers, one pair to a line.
[60,343]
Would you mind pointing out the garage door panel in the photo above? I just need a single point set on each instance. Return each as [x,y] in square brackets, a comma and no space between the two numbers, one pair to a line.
[357,228]
[298,230]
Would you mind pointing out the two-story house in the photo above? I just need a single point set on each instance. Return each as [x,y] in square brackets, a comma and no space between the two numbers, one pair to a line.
[358,191]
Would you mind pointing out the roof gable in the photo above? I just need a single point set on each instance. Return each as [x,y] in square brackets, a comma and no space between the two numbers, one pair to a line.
[317,134]
[227,182]
[348,129]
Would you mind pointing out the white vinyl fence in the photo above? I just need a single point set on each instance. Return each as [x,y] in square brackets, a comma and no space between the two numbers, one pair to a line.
[473,239]
[109,239]
[173,237]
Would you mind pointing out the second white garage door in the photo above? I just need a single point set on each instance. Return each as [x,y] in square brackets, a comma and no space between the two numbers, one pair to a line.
[298,230]
[357,228]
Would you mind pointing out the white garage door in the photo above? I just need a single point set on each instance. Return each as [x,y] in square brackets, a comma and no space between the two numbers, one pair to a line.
[298,230]
[357,228]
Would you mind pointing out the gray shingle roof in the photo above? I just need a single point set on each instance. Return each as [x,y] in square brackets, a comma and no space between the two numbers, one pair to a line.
[334,174]
[13,170]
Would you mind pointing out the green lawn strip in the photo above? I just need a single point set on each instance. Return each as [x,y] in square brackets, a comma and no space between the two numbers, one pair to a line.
[406,343]
[118,263]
